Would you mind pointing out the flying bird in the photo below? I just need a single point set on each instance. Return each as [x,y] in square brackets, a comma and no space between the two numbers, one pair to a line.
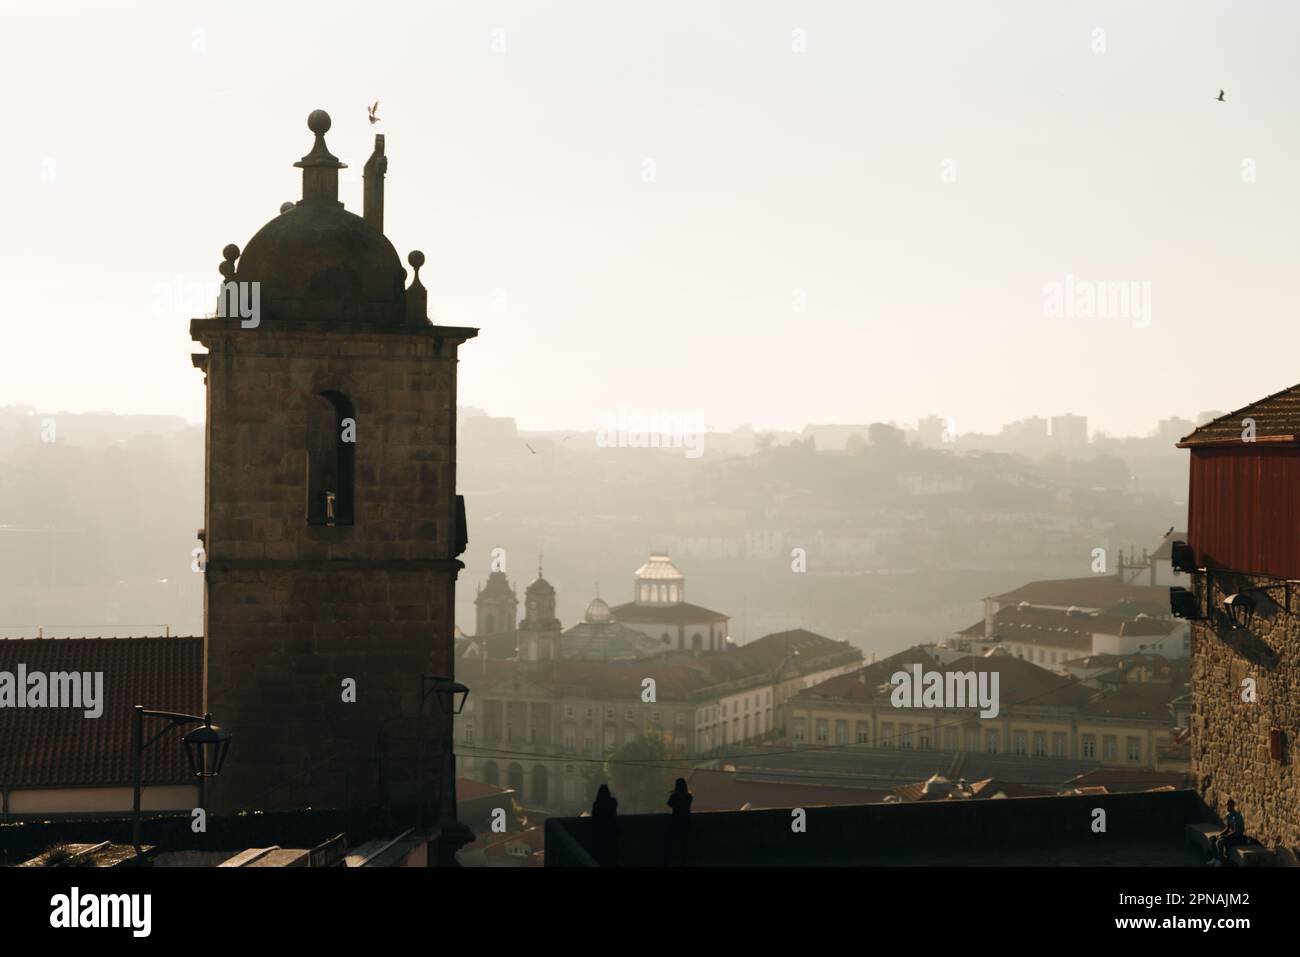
[373,111]
[1220,97]
[530,448]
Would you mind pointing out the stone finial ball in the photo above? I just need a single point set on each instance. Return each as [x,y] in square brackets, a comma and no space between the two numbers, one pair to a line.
[416,258]
[285,207]
[319,122]
[231,252]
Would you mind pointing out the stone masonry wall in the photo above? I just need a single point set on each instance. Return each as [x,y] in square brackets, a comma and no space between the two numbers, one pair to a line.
[1230,736]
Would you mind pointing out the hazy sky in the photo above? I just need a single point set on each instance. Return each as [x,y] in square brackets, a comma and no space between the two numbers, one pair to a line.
[139,139]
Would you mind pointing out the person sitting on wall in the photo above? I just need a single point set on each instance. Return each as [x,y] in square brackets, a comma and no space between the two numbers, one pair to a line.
[604,816]
[679,825]
[1232,835]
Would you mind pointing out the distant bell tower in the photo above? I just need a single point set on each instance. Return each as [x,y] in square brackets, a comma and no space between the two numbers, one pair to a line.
[539,632]
[496,607]
[332,524]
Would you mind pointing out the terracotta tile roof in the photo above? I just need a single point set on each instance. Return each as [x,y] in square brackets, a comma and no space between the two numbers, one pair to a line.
[815,651]
[730,791]
[1148,700]
[1277,419]
[1062,629]
[1129,779]
[1096,592]
[1019,681]
[679,676]
[991,787]
[864,684]
[683,613]
[984,790]
[60,747]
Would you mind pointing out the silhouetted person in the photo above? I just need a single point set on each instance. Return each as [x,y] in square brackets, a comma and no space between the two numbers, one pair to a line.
[604,816]
[679,825]
[1233,834]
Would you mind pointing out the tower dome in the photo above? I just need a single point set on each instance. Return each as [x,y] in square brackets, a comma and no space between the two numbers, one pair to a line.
[597,612]
[540,588]
[316,260]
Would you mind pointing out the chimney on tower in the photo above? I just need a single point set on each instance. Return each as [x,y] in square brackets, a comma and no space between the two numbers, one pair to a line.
[373,174]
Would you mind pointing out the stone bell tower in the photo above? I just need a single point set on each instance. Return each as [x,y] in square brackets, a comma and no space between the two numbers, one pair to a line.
[332,524]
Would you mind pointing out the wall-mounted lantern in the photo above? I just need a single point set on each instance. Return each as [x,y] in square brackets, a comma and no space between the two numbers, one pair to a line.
[1182,604]
[1240,608]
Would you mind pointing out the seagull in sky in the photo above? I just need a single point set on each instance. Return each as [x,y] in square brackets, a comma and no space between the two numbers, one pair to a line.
[373,111]
[1220,97]
[530,448]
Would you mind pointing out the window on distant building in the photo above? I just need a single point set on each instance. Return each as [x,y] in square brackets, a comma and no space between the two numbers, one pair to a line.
[568,711]
[681,717]
[590,711]
[1135,749]
[991,742]
[886,734]
[823,732]
[1109,748]
[1088,746]
[469,732]
[568,739]
[864,732]
[800,728]
[609,714]
[1020,743]
[1040,744]
[923,738]
[905,736]
[950,739]
[586,744]
[1059,742]
[841,732]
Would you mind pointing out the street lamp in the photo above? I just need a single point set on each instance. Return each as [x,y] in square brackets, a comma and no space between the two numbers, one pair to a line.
[205,750]
[450,696]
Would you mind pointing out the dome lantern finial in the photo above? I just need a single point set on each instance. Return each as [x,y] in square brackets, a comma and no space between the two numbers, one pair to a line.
[320,168]
[417,297]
